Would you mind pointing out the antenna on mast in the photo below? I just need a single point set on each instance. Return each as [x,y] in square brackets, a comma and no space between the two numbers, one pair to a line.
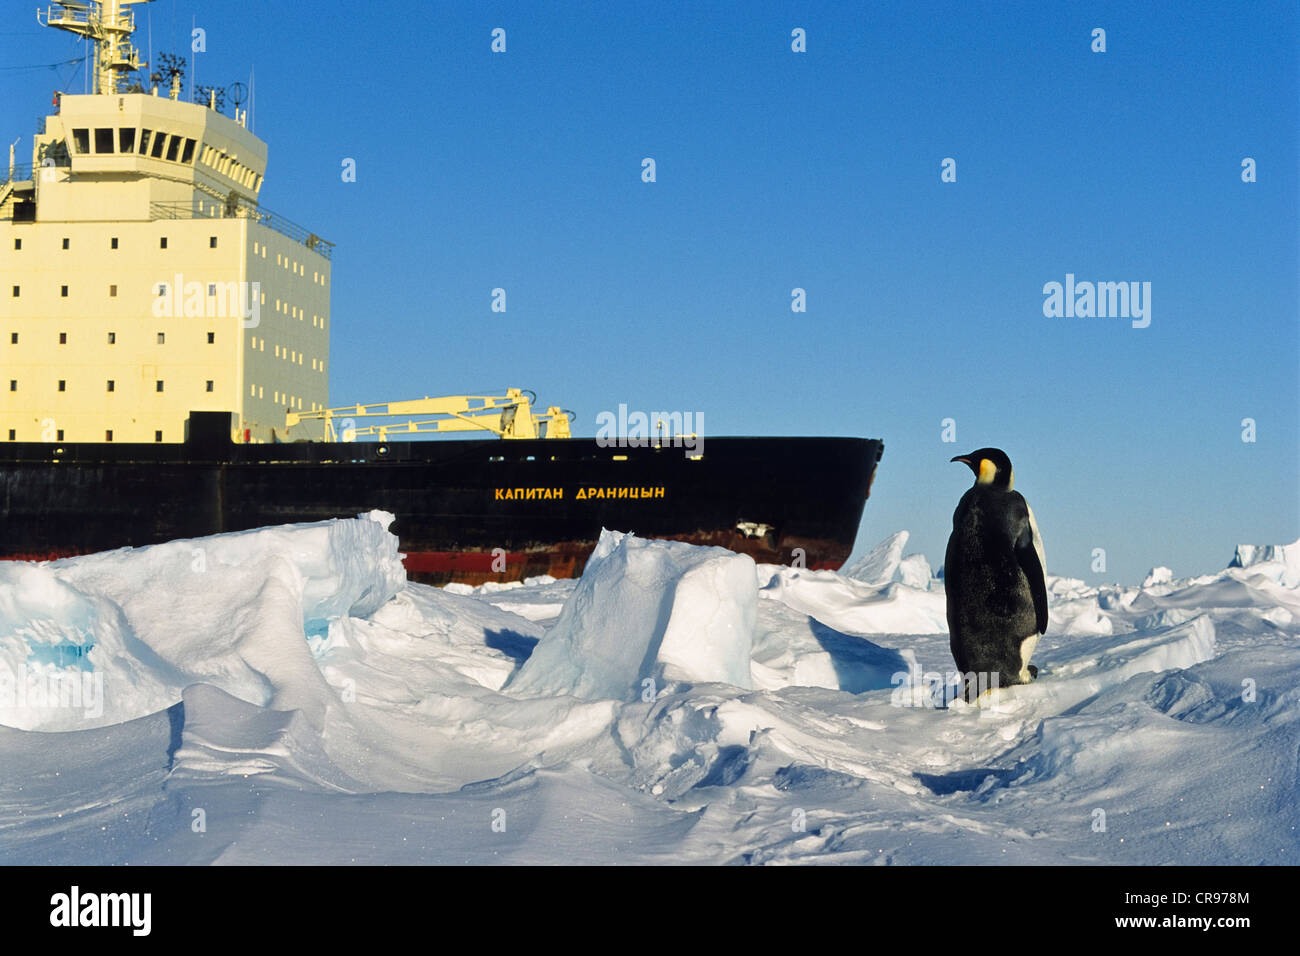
[108,25]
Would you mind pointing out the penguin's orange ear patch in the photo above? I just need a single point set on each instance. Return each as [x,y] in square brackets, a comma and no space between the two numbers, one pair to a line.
[987,471]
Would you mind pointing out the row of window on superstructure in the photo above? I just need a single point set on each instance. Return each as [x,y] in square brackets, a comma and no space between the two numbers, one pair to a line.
[112,338]
[111,385]
[229,167]
[318,277]
[281,398]
[58,435]
[282,260]
[163,289]
[286,354]
[158,144]
[256,391]
[112,242]
[254,343]
[123,140]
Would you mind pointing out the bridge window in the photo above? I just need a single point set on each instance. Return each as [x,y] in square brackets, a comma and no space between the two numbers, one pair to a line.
[159,142]
[173,146]
[144,141]
[103,140]
[188,154]
[126,140]
[81,140]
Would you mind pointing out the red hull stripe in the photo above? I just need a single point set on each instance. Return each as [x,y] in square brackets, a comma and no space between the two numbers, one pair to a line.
[420,562]
[40,556]
[475,562]
[480,562]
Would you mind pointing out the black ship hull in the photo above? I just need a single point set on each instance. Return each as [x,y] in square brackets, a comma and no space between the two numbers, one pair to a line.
[469,511]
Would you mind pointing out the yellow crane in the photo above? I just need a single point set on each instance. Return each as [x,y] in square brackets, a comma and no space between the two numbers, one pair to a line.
[506,416]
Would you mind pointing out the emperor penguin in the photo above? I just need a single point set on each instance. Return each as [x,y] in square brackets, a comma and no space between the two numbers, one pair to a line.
[994,574]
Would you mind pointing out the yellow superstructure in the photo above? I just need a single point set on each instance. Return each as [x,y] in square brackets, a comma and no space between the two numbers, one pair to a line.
[139,277]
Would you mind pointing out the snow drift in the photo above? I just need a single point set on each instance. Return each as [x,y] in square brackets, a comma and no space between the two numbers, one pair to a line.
[231,609]
[646,613]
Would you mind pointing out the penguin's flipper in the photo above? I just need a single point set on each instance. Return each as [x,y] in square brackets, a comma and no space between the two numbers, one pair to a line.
[1029,556]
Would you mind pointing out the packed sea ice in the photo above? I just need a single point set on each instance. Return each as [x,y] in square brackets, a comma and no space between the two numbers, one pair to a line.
[285,696]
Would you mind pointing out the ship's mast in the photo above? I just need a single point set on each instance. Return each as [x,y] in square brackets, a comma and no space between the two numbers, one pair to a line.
[108,25]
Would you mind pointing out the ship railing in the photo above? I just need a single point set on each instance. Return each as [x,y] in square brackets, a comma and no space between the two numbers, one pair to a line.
[19,173]
[74,14]
[66,15]
[239,208]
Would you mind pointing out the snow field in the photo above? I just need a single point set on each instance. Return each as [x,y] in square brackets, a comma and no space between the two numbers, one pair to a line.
[675,704]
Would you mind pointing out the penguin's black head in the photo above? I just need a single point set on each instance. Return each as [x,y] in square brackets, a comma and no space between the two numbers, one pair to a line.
[991,467]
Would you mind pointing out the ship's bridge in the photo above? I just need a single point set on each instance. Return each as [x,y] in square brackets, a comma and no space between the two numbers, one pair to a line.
[155,149]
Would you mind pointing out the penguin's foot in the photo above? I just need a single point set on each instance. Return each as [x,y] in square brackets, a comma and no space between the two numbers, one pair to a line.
[1033,671]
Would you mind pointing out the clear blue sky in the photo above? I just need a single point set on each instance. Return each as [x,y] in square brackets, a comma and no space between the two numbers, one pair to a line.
[818,170]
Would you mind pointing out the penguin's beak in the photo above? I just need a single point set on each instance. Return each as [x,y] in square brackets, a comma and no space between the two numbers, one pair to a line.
[964,460]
